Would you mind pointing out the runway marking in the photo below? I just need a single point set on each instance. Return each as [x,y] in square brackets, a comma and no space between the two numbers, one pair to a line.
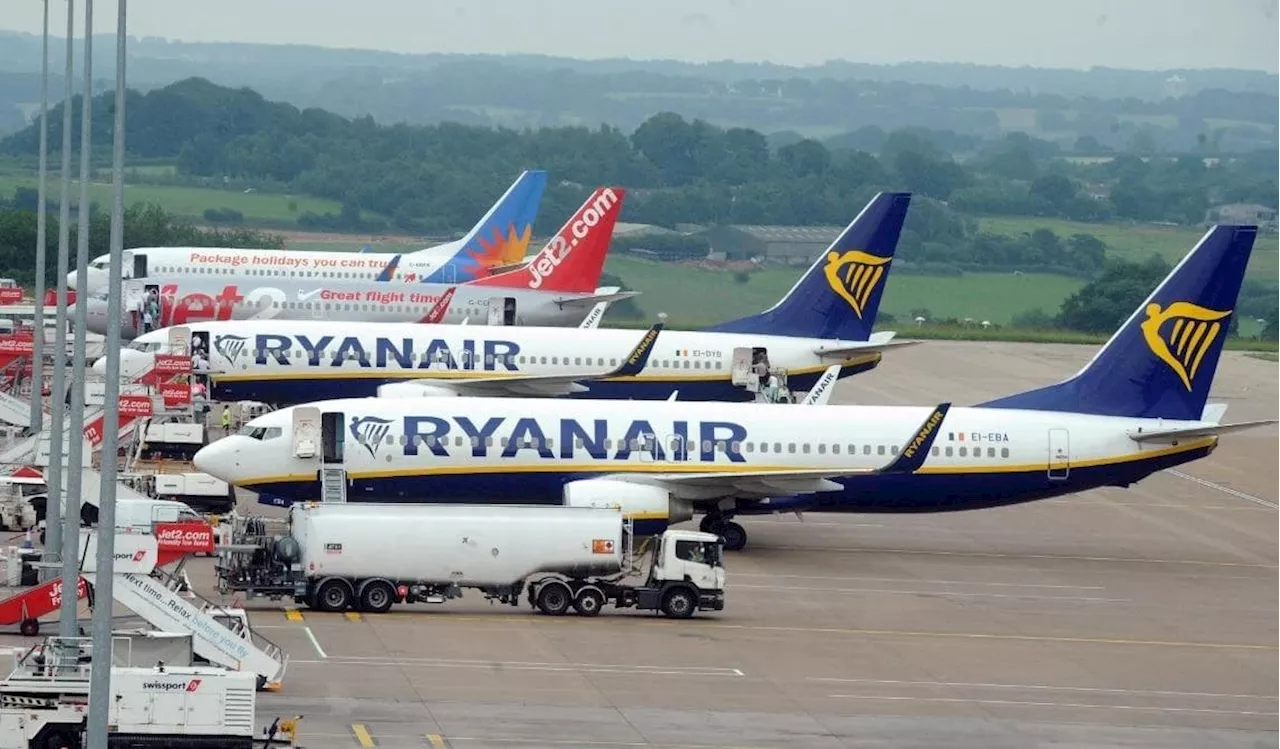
[1006,555]
[1046,687]
[352,616]
[928,582]
[293,615]
[1029,703]
[437,741]
[314,642]
[362,735]
[1226,490]
[946,593]
[707,624]
[528,666]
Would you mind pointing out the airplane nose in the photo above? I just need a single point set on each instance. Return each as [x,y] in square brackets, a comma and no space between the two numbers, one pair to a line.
[220,459]
[71,280]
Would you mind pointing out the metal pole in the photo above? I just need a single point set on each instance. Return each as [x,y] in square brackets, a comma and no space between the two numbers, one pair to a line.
[57,394]
[100,677]
[37,353]
[72,497]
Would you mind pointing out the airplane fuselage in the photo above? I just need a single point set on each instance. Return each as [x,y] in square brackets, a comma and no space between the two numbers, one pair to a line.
[187,301]
[524,450]
[290,362]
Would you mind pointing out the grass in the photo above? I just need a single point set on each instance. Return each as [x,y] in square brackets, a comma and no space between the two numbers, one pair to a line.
[692,294]
[1137,241]
[259,208]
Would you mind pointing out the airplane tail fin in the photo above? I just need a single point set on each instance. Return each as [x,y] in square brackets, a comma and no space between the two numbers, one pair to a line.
[1160,364]
[839,296]
[501,237]
[574,258]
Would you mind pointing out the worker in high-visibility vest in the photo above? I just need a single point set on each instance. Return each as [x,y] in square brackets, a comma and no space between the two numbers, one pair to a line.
[226,420]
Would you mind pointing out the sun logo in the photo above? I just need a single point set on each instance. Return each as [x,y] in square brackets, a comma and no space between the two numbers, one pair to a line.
[369,432]
[854,276]
[1183,344]
[230,346]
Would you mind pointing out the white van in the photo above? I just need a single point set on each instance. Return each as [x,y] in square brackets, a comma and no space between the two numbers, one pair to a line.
[139,515]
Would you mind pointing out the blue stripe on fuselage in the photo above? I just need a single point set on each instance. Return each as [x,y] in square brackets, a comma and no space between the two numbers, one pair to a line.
[293,391]
[887,493]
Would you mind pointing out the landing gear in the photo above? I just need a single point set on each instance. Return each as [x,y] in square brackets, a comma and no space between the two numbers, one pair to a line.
[734,535]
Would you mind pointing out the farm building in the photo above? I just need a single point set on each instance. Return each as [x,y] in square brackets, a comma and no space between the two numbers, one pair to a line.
[792,245]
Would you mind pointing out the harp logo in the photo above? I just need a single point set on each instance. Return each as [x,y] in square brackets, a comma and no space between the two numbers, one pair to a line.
[854,275]
[230,346]
[370,431]
[1181,335]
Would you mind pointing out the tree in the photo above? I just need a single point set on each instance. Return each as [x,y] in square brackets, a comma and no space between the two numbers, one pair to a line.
[1054,189]
[1101,306]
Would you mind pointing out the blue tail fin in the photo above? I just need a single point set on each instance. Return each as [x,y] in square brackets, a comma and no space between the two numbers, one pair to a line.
[500,238]
[1160,364]
[838,297]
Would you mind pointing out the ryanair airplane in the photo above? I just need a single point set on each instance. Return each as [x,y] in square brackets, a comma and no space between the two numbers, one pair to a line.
[499,240]
[1138,407]
[825,320]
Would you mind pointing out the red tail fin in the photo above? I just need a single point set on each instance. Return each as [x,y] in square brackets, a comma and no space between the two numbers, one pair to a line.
[440,307]
[573,259]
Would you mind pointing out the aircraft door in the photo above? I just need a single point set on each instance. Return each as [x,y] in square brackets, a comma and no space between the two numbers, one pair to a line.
[502,310]
[741,367]
[180,340]
[1059,454]
[332,436]
[126,265]
[139,265]
[306,431]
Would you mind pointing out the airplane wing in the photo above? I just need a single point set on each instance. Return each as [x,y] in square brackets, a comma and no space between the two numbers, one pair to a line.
[593,318]
[535,385]
[821,391]
[1187,433]
[607,295]
[878,342]
[759,483]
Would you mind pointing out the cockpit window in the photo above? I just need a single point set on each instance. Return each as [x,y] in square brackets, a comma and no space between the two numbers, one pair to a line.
[272,433]
[99,264]
[149,347]
[261,433]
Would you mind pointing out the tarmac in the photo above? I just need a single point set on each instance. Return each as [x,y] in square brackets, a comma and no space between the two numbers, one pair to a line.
[1139,617]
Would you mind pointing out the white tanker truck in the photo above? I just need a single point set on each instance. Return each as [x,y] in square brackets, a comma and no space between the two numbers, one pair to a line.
[367,557]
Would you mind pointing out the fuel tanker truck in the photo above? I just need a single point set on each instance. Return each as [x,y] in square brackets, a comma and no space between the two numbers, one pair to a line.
[336,556]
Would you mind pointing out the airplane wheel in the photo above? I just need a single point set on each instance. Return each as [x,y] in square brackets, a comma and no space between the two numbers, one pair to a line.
[29,628]
[711,524]
[734,535]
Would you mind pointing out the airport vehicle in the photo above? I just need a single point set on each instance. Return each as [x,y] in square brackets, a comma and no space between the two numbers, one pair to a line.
[500,239]
[826,318]
[558,286]
[176,440]
[1138,407]
[199,491]
[340,556]
[43,702]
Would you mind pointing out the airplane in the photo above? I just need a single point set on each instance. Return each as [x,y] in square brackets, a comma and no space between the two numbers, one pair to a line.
[1138,407]
[557,287]
[497,242]
[826,318]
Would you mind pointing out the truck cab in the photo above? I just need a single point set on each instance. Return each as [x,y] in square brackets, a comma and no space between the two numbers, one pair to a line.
[688,556]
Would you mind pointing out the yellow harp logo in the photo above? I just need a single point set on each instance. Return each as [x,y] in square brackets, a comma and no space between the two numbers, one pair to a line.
[1181,335]
[854,276]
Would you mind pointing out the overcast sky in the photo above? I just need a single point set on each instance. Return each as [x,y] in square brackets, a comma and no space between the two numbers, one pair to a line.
[1144,34]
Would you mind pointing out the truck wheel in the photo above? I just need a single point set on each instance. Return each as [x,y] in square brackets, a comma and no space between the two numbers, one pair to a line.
[29,628]
[554,599]
[588,602]
[679,603]
[377,597]
[334,595]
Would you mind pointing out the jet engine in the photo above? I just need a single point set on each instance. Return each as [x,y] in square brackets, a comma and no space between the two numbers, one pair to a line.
[637,501]
[415,390]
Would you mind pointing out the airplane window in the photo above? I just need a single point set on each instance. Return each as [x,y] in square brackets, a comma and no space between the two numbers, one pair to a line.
[880,450]
[635,445]
[600,362]
[934,451]
[735,447]
[390,440]
[1004,452]
[805,448]
[791,447]
[550,443]
[822,448]
[893,449]
[949,451]
[991,452]
[764,447]
[488,441]
[457,441]
[964,451]
[835,449]
[686,363]
[555,360]
[866,449]
[271,433]
[749,445]
[253,432]
[613,362]
[505,441]
[432,441]
[577,443]
[544,360]
[721,446]
[402,439]
[777,447]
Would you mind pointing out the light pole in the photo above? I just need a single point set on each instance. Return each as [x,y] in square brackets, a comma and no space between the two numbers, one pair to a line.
[58,393]
[75,450]
[37,320]
[100,674]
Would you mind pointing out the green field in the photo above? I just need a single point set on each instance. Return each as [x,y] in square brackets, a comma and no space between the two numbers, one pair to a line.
[1137,242]
[188,202]
[692,296]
